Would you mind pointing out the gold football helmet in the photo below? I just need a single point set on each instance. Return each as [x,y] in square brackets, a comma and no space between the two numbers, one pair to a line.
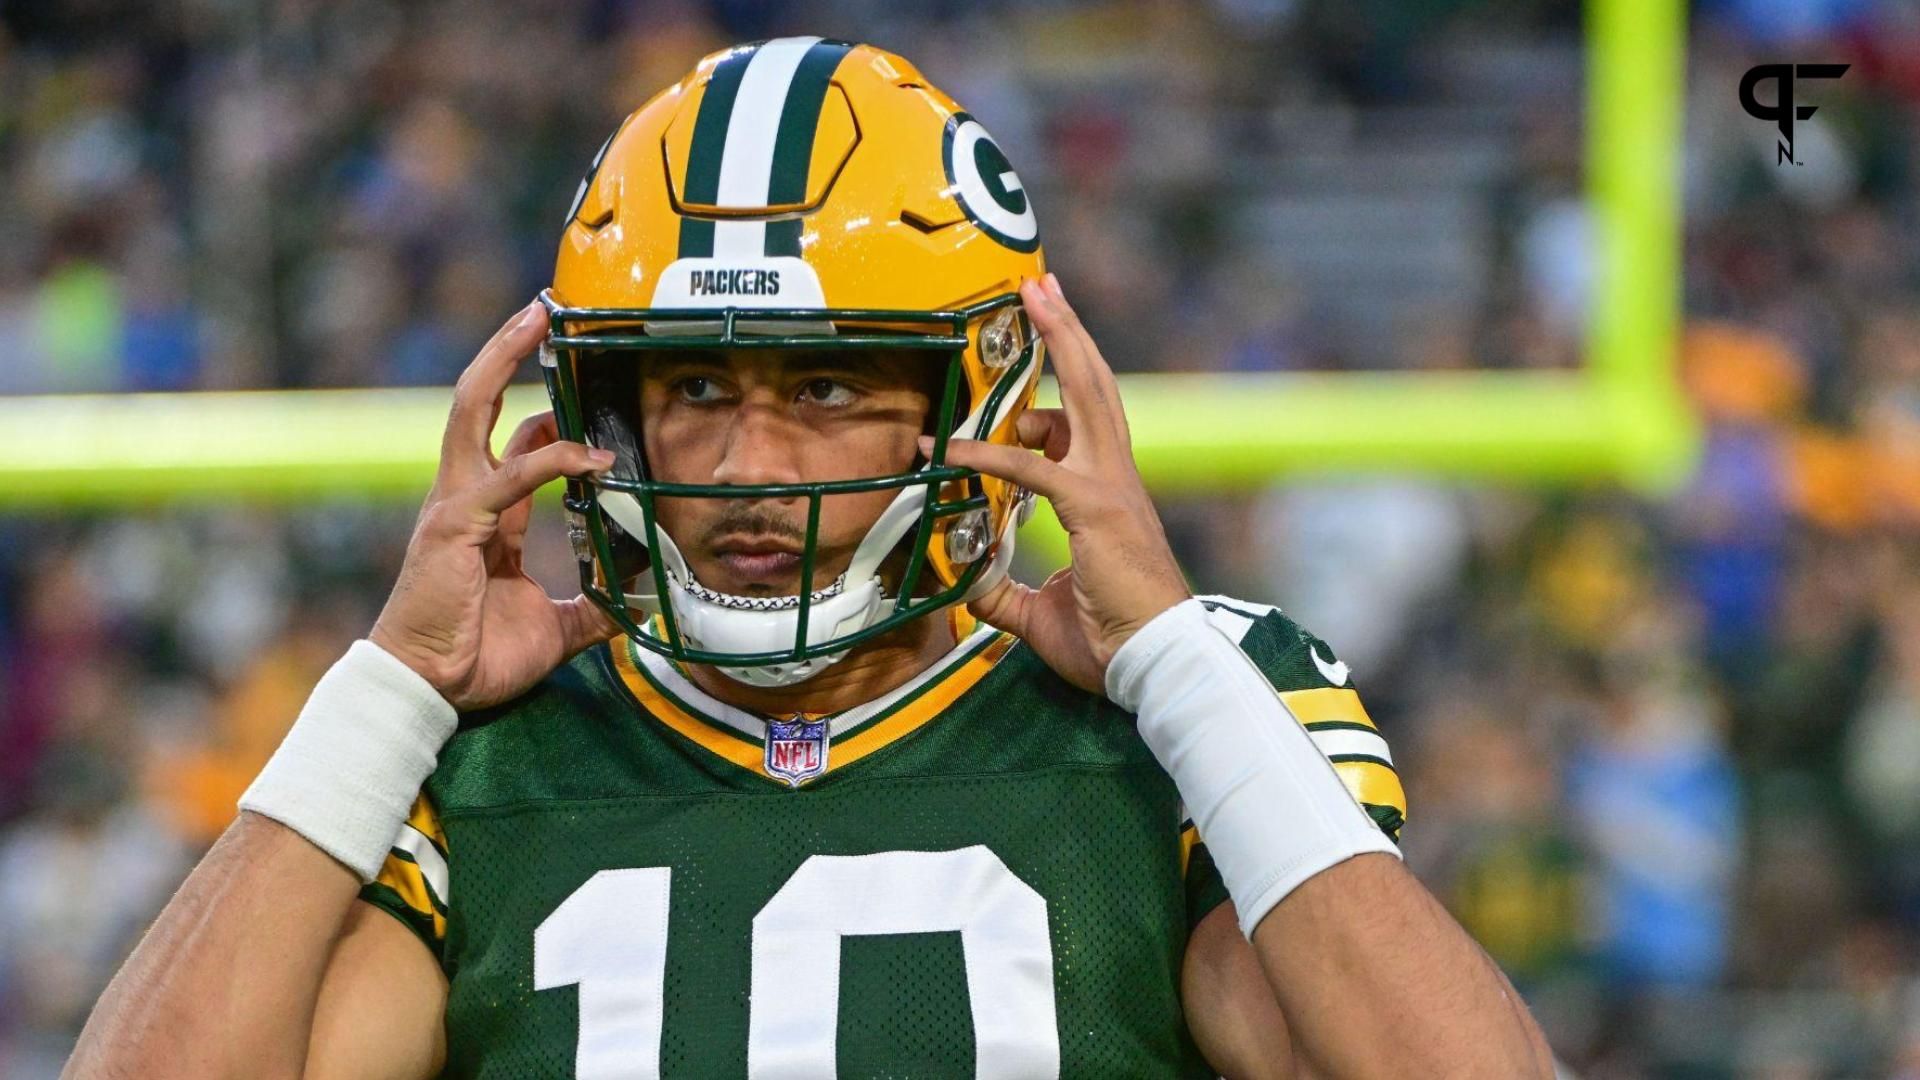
[795,194]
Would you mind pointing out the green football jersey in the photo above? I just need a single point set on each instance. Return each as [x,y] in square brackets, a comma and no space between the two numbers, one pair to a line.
[983,873]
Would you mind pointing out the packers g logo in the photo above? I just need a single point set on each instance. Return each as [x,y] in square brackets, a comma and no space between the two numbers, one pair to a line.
[985,185]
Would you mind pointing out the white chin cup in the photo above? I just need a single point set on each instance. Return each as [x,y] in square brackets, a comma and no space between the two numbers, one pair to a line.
[719,622]
[727,627]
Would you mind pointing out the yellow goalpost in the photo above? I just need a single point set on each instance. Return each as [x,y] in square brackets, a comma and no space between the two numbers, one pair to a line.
[1621,419]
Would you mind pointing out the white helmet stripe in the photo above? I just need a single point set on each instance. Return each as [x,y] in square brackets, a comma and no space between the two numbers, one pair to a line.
[746,162]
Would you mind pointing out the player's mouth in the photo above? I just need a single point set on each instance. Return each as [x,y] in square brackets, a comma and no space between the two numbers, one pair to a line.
[758,560]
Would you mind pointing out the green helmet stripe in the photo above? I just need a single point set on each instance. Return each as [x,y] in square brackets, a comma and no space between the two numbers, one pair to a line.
[703,155]
[793,145]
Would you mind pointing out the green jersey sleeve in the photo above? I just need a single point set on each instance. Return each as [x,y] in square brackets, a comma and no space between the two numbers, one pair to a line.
[1317,689]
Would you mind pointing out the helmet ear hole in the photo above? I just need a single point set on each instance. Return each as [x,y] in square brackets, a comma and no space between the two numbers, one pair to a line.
[608,429]
[608,383]
[935,387]
[630,559]
[609,387]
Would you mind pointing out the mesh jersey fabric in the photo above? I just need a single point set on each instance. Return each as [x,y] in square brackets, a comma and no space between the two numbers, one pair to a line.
[607,765]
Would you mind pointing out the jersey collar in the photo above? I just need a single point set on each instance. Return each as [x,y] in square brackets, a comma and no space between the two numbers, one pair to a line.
[738,735]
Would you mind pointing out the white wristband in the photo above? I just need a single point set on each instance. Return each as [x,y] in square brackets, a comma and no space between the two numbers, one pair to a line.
[1267,802]
[348,772]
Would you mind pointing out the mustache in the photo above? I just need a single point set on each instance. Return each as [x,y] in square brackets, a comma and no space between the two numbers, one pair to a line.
[753,521]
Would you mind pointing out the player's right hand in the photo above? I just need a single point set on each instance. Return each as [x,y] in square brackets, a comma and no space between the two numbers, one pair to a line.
[1123,573]
[464,615]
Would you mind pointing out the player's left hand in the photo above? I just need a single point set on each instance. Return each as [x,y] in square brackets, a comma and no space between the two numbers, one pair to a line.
[1122,572]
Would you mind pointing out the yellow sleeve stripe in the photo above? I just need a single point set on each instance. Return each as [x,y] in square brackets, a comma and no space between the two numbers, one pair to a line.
[1374,783]
[1327,705]
[1338,722]
[427,823]
[420,840]
[405,878]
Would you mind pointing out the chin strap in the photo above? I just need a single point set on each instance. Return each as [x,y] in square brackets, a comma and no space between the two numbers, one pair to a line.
[996,571]
[756,603]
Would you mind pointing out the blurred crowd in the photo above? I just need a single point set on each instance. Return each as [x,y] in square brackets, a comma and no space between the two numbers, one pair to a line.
[1662,753]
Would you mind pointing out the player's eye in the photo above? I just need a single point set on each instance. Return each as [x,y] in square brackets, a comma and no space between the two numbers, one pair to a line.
[697,389]
[826,392]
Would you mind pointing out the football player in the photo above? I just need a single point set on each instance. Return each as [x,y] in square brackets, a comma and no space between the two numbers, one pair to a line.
[802,784]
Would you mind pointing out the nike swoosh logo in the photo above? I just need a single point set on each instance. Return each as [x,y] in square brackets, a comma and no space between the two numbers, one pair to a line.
[1335,673]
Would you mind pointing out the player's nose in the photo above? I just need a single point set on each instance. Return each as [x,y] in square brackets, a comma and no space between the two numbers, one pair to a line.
[761,446]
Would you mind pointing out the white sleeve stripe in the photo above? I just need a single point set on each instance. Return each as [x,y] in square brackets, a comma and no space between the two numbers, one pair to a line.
[427,857]
[1233,602]
[1337,742]
[1231,623]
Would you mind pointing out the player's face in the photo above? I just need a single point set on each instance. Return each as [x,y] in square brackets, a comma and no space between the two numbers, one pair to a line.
[758,416]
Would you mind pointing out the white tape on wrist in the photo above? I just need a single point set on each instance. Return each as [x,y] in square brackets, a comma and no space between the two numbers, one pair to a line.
[1268,804]
[348,772]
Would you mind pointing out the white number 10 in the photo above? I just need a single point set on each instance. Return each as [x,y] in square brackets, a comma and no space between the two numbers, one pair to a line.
[610,938]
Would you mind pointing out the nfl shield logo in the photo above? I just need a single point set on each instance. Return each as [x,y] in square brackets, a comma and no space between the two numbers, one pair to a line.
[796,749]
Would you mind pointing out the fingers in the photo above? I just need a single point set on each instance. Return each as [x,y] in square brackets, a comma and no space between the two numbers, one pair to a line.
[1087,387]
[1045,430]
[534,432]
[583,624]
[522,475]
[1022,467]
[464,450]
[493,421]
[1101,370]
[1080,401]
[1004,607]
